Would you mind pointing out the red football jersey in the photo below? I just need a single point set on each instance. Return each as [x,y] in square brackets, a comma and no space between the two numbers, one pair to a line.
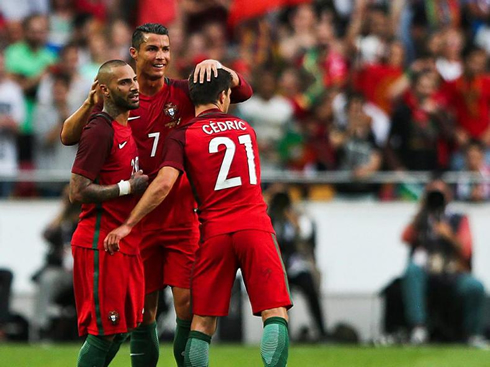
[107,154]
[219,153]
[151,123]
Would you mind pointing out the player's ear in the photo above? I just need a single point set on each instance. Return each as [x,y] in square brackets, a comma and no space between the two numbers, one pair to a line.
[133,52]
[104,90]
[222,97]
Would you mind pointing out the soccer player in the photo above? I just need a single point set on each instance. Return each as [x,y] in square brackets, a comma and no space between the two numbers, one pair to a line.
[170,234]
[109,290]
[220,156]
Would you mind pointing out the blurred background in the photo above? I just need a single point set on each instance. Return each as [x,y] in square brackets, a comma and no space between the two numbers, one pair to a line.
[372,117]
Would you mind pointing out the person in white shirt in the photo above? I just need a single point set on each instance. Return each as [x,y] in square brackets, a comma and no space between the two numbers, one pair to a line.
[12,113]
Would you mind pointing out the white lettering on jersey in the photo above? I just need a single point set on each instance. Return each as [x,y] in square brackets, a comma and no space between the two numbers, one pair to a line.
[220,126]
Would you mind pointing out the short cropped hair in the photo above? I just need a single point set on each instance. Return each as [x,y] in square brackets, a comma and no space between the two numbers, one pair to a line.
[208,92]
[105,68]
[138,34]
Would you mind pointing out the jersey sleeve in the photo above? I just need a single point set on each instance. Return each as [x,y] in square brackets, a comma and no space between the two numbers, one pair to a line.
[94,148]
[242,92]
[173,150]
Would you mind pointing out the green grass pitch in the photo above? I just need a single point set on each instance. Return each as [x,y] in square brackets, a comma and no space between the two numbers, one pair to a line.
[18,355]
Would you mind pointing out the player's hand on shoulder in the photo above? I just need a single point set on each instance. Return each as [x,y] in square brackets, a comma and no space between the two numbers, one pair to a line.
[138,182]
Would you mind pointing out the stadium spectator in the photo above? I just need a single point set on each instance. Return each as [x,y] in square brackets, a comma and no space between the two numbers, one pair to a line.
[120,39]
[49,116]
[356,148]
[469,99]
[301,34]
[12,114]
[99,51]
[269,113]
[475,163]
[68,67]
[28,62]
[61,17]
[376,80]
[440,258]
[420,128]
[449,64]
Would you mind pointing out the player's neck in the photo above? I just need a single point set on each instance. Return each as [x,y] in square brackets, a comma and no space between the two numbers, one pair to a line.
[117,114]
[205,107]
[150,87]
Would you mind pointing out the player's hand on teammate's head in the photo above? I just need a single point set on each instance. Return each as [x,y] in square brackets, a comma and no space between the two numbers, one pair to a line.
[111,242]
[205,69]
[94,96]
[138,182]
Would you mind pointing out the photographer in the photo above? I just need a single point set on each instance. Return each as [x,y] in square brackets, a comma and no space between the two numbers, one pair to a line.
[440,265]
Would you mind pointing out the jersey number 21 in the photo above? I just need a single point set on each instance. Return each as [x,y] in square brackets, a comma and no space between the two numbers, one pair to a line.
[223,181]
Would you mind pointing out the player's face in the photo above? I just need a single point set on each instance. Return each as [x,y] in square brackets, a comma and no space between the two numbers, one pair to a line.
[153,56]
[124,88]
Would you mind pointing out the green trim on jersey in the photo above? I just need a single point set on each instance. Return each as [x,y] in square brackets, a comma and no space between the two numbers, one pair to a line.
[96,268]
[283,267]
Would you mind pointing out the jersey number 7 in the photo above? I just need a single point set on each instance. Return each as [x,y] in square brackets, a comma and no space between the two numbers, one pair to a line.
[223,182]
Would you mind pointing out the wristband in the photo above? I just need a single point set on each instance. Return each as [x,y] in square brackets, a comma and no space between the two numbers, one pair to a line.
[124,188]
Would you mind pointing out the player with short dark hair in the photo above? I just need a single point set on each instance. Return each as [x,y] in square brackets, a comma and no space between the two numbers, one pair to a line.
[220,156]
[109,291]
[170,234]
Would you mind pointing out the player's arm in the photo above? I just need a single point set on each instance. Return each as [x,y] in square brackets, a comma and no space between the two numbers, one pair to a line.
[154,196]
[240,89]
[72,128]
[83,190]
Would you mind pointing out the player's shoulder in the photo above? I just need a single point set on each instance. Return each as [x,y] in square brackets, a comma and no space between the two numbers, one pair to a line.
[99,123]
[180,84]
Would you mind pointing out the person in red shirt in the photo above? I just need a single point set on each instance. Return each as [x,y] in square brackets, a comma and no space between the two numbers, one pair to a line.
[105,171]
[170,234]
[469,98]
[220,156]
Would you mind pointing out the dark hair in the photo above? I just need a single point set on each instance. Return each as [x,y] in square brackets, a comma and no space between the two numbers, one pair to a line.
[154,28]
[472,49]
[62,78]
[208,92]
[474,143]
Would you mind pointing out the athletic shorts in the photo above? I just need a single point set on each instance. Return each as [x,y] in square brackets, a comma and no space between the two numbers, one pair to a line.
[109,291]
[168,257]
[257,254]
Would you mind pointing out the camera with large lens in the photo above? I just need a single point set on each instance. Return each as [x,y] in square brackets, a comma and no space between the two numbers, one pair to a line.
[435,201]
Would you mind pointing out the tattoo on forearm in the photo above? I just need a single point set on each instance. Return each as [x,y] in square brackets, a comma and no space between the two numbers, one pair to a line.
[85,191]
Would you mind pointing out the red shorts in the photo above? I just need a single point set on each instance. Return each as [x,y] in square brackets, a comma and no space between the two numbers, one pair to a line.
[257,254]
[109,291]
[168,257]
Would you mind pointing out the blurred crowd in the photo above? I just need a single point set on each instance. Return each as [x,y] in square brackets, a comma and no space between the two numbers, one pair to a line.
[361,86]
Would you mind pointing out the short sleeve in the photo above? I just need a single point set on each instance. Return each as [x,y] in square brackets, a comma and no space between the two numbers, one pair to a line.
[174,150]
[93,149]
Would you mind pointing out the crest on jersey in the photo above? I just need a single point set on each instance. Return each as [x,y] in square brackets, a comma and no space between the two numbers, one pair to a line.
[172,112]
[113,317]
